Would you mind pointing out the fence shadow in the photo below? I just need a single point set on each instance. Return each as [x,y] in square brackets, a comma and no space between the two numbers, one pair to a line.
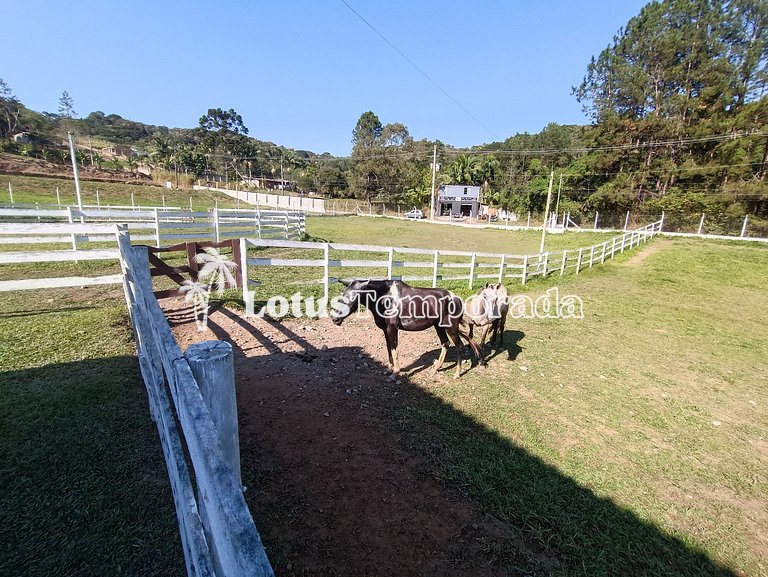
[352,473]
[85,487]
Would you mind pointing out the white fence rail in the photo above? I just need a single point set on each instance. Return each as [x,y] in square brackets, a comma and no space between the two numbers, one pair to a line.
[470,266]
[43,233]
[260,199]
[218,534]
[162,226]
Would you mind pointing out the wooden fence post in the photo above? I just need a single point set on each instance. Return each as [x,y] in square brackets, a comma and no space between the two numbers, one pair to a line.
[591,255]
[605,248]
[434,270]
[578,261]
[390,257]
[216,224]
[613,247]
[157,229]
[525,268]
[562,264]
[501,269]
[701,224]
[287,232]
[243,264]
[326,270]
[212,364]
[472,270]
[546,262]
[596,215]
[71,219]
[744,227]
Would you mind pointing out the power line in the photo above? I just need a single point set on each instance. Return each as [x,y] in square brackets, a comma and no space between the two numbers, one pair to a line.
[420,71]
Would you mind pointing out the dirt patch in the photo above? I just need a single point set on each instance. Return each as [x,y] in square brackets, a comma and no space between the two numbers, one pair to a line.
[639,257]
[332,490]
[10,164]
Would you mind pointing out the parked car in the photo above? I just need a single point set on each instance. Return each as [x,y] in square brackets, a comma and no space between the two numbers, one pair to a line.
[414,213]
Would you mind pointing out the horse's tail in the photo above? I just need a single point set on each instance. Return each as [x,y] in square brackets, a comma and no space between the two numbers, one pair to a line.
[464,333]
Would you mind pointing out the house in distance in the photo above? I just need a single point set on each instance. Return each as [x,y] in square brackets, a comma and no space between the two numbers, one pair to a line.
[454,199]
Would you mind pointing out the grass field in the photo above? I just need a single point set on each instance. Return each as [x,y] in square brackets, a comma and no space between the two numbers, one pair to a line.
[85,490]
[656,403]
[633,441]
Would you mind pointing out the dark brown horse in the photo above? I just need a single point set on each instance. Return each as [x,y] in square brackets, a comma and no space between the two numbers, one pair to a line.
[397,306]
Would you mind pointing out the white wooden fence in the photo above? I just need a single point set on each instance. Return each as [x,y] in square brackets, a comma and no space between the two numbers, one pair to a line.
[43,233]
[259,199]
[471,266]
[162,226]
[218,535]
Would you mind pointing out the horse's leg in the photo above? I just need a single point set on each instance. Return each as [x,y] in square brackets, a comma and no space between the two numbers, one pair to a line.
[454,334]
[483,335]
[443,336]
[392,345]
[389,348]
[500,327]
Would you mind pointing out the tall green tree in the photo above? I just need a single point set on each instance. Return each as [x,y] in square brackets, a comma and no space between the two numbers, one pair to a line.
[379,159]
[10,109]
[66,106]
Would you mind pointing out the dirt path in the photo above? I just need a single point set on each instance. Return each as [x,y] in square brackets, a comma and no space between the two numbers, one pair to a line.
[639,257]
[331,489]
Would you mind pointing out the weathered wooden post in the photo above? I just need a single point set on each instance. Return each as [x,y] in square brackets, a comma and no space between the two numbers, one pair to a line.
[701,224]
[744,226]
[212,364]
[597,214]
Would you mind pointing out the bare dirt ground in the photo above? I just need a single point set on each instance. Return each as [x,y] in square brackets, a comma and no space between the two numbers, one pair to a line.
[10,164]
[331,489]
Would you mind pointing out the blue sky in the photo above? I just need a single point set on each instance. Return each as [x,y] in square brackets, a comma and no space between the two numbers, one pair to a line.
[301,72]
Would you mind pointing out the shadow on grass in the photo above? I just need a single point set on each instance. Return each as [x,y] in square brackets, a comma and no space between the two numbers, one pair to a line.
[354,474]
[85,488]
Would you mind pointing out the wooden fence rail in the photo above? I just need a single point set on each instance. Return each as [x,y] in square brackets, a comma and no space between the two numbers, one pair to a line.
[470,266]
[218,535]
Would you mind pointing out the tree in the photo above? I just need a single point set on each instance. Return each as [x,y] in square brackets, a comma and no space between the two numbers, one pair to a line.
[66,106]
[379,166]
[223,122]
[10,108]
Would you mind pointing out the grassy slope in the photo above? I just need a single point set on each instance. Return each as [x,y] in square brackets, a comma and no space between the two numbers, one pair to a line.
[85,486]
[32,189]
[656,401]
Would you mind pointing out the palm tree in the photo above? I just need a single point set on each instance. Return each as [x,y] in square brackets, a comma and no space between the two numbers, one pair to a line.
[463,170]
[217,267]
[198,294]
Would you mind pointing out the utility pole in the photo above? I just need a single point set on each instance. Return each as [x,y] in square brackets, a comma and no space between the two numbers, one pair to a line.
[546,211]
[559,188]
[74,170]
[432,193]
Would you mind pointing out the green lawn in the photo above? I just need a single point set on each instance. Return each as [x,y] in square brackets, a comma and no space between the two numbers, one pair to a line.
[633,441]
[85,488]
